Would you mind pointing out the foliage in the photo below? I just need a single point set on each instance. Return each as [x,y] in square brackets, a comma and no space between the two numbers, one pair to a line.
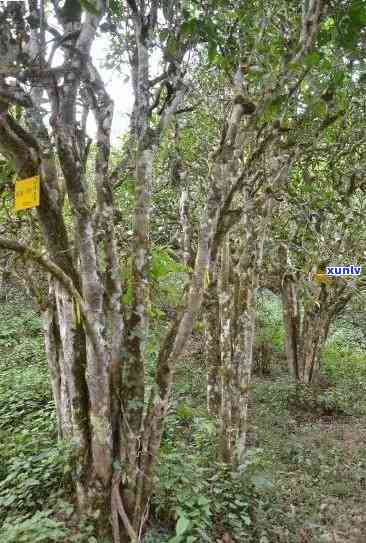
[344,362]
[168,276]
[40,527]
[35,469]
[269,321]
[201,497]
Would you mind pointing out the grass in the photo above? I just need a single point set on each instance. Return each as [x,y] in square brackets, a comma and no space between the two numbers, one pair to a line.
[317,462]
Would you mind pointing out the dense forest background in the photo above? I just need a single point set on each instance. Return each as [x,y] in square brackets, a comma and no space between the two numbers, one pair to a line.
[176,364]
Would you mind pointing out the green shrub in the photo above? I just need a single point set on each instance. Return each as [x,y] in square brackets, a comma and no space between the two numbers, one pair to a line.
[269,321]
[200,498]
[38,528]
[345,366]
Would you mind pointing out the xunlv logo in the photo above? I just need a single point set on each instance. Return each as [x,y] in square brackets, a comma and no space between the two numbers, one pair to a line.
[343,270]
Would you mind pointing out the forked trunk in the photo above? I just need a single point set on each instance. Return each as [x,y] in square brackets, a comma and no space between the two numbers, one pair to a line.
[306,331]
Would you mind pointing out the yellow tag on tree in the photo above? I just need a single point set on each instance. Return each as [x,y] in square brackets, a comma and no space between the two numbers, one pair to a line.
[27,193]
[322,278]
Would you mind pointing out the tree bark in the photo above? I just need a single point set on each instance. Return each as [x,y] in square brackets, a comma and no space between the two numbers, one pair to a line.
[307,325]
[55,361]
[291,321]
[212,342]
[227,369]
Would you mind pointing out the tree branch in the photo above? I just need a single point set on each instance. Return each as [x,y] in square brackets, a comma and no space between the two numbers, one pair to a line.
[44,262]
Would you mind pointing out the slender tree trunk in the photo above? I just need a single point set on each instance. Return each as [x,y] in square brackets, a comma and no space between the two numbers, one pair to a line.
[227,369]
[255,230]
[186,227]
[212,342]
[315,328]
[244,361]
[291,322]
[55,361]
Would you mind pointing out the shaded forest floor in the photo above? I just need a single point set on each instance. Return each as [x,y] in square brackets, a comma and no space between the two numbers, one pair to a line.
[304,480]
[318,465]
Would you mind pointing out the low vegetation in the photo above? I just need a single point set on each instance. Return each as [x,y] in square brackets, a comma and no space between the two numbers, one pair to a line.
[304,479]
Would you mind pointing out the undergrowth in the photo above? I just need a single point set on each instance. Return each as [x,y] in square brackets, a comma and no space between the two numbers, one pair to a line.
[35,480]
[306,462]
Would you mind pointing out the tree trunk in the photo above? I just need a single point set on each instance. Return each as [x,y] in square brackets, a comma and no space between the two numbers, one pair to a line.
[186,227]
[243,357]
[212,342]
[315,326]
[306,331]
[227,369]
[55,360]
[291,321]
[255,230]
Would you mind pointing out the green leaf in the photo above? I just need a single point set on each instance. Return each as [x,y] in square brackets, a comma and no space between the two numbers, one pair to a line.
[262,482]
[182,526]
[274,106]
[312,59]
[127,296]
[338,77]
[357,13]
[162,264]
[189,28]
[212,51]
[172,46]
[202,500]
